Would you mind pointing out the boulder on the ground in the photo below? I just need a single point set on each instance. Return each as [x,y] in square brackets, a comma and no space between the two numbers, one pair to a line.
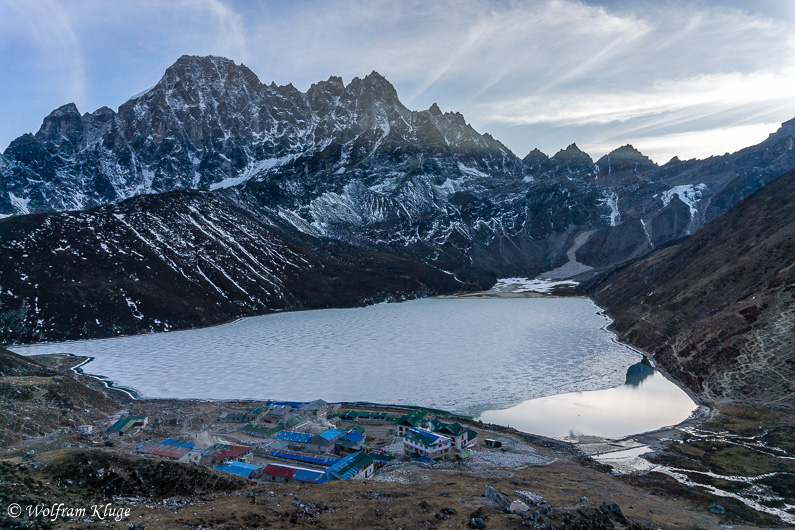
[503,501]
[518,507]
[529,498]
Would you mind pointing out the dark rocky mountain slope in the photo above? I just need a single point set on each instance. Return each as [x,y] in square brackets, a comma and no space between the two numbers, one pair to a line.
[718,310]
[341,167]
[181,260]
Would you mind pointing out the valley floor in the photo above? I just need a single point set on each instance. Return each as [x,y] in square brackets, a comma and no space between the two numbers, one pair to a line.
[45,461]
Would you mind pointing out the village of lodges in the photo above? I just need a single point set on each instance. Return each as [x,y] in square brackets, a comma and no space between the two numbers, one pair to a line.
[311,442]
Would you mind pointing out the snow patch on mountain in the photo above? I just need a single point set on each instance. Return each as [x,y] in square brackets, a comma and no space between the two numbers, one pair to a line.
[688,193]
[610,200]
[20,203]
[528,285]
[254,169]
[471,171]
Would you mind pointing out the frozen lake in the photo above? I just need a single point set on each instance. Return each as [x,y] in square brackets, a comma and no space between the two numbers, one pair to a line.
[463,355]
[645,402]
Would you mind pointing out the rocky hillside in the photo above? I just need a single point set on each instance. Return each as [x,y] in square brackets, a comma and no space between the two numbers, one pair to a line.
[180,260]
[718,310]
[41,395]
[339,172]
[13,365]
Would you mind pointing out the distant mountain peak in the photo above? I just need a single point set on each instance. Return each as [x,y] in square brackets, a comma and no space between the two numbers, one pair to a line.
[375,76]
[628,151]
[377,81]
[625,158]
[536,158]
[194,70]
[336,80]
[572,156]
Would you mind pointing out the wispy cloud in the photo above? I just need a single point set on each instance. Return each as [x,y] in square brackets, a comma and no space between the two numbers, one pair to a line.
[42,32]
[535,73]
[693,144]
[708,93]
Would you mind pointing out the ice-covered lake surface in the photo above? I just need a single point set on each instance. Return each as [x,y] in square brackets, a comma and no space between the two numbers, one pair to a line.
[645,402]
[462,355]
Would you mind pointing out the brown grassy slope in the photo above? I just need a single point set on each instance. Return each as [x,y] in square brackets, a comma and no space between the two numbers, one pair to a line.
[12,364]
[717,310]
[37,398]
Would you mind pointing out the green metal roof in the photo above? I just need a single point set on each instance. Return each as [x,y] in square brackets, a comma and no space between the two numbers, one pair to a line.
[413,418]
[233,415]
[453,429]
[119,425]
[350,465]
[354,414]
[292,422]
[261,429]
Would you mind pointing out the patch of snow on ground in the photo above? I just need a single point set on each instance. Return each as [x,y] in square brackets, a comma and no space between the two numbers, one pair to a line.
[626,461]
[527,285]
[689,194]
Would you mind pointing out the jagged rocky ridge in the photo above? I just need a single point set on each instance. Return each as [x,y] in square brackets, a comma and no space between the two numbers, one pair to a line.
[718,310]
[350,164]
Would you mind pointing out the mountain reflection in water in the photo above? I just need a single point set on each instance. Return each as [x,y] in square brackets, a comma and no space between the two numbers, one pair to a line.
[646,401]
[637,373]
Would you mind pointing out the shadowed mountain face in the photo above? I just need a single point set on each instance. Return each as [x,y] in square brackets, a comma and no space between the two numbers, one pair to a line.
[718,311]
[181,260]
[346,165]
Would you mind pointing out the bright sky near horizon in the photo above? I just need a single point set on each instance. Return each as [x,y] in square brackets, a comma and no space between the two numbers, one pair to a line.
[672,77]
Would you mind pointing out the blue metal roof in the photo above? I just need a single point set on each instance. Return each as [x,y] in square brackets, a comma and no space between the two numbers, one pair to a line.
[238,468]
[331,434]
[307,475]
[292,436]
[354,436]
[303,457]
[177,443]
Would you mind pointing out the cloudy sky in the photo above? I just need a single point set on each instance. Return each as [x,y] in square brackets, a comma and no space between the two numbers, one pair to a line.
[672,77]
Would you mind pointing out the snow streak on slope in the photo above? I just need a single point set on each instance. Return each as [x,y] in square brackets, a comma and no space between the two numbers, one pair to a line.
[689,194]
[180,260]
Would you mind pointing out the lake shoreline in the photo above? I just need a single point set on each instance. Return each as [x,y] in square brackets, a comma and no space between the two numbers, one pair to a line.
[653,438]
[509,288]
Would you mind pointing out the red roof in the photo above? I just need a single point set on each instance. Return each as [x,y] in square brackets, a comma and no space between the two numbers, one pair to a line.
[233,451]
[276,470]
[170,451]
